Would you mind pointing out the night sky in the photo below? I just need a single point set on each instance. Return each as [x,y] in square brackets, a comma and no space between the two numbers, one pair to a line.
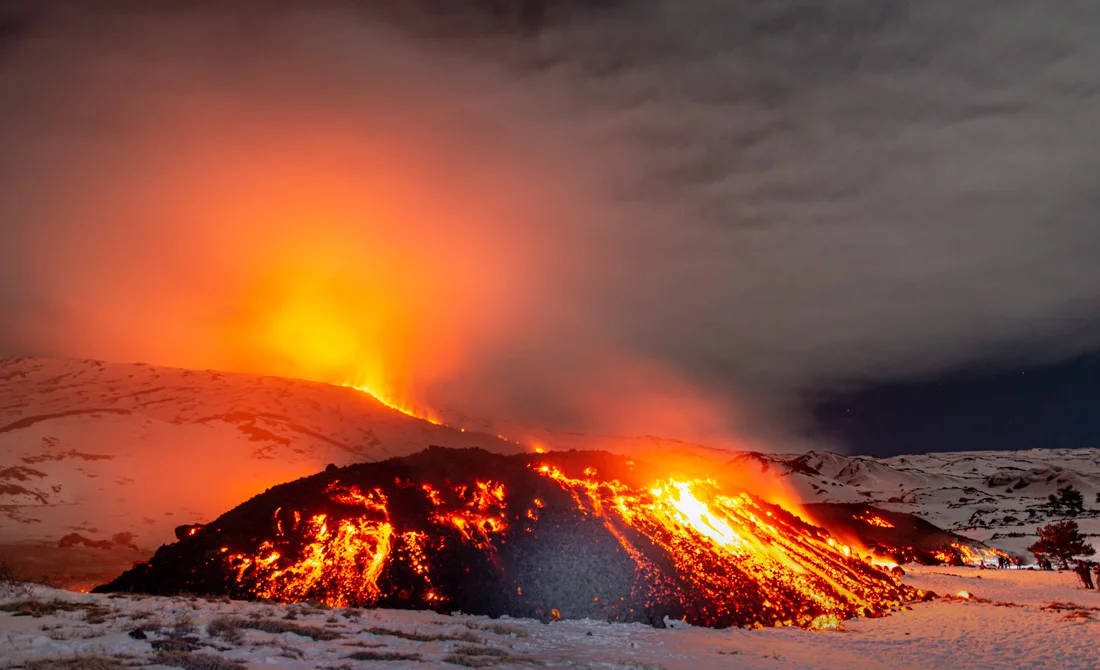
[862,225]
[1048,407]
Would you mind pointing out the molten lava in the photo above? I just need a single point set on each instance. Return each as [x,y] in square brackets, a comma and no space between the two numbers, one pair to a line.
[960,554]
[392,402]
[874,520]
[562,535]
[715,539]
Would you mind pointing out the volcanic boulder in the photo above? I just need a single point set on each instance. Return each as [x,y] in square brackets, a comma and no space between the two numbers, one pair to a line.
[559,535]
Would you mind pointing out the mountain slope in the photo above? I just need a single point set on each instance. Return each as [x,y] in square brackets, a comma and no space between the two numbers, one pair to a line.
[100,449]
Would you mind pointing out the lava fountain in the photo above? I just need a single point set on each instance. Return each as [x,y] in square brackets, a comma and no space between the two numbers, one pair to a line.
[554,535]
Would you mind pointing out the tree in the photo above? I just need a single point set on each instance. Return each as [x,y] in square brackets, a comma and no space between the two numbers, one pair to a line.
[1061,540]
[1068,502]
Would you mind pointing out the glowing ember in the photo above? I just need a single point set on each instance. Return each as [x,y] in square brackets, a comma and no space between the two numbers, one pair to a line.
[560,538]
[875,521]
[965,595]
[825,622]
[961,554]
[883,563]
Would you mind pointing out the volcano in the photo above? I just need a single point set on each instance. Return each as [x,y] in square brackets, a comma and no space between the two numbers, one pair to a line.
[557,535]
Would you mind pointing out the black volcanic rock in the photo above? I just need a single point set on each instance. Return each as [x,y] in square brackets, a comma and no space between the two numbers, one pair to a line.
[187,530]
[529,535]
[904,537]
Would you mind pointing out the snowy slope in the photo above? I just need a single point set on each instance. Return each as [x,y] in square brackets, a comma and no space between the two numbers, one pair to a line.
[998,497]
[100,449]
[1009,624]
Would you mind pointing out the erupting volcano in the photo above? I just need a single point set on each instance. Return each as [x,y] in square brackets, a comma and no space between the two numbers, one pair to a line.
[555,535]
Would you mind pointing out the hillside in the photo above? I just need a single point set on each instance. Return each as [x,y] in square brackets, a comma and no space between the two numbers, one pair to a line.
[998,497]
[116,456]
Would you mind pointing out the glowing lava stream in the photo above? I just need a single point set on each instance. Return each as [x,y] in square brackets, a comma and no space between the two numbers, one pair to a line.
[394,404]
[423,415]
[673,516]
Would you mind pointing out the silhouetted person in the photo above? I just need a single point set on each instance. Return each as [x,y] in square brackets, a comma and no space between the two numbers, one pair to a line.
[1084,573]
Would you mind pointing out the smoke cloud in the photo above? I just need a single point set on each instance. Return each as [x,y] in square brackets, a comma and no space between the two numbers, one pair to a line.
[646,216]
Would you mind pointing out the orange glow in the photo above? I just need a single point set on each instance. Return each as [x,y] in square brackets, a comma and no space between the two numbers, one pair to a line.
[341,236]
[825,622]
[967,555]
[393,403]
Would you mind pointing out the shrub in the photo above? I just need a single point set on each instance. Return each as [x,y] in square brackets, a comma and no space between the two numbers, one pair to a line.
[1061,540]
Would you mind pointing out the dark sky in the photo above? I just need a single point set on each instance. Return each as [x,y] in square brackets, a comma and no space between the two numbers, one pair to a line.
[667,216]
[1051,406]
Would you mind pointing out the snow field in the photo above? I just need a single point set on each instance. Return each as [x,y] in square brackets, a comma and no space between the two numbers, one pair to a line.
[1008,624]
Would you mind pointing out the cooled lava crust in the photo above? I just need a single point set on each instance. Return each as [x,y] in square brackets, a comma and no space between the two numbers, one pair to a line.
[548,536]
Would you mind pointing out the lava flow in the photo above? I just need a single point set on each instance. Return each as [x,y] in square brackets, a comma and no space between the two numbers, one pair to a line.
[391,401]
[560,535]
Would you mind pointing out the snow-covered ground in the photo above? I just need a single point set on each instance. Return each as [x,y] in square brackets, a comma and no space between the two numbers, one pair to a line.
[1009,624]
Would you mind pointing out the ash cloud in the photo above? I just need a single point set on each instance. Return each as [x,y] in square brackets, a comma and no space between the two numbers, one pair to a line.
[641,215]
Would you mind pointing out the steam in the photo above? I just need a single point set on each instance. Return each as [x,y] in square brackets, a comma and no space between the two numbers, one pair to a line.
[633,217]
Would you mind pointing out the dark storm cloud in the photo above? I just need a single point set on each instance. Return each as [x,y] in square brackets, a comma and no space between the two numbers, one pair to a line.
[777,196]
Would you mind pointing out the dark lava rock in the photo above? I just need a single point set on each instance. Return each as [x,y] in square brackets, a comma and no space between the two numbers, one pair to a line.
[483,533]
[187,530]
